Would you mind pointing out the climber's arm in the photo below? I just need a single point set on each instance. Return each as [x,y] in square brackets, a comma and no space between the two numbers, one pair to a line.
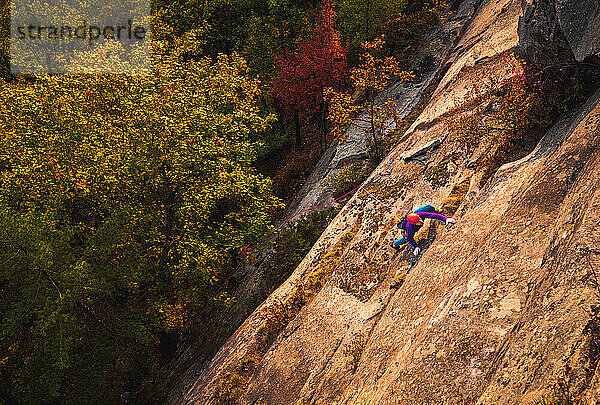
[432,215]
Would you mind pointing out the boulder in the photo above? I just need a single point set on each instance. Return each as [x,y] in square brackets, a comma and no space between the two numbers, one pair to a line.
[553,31]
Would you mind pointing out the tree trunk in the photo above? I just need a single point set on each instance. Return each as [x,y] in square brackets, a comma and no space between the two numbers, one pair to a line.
[167,193]
[280,118]
[297,124]
[375,145]
[322,143]
[324,127]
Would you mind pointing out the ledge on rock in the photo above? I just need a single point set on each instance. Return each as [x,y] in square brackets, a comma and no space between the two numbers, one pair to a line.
[419,151]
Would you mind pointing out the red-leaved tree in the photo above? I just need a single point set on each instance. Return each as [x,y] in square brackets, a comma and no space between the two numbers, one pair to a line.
[316,63]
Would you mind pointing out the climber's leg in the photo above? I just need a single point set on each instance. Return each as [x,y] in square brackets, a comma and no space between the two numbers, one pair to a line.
[398,243]
[426,208]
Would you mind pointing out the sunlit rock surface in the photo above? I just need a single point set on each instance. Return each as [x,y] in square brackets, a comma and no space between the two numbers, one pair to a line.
[496,305]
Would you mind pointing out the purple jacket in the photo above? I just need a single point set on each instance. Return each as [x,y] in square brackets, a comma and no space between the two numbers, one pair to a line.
[412,229]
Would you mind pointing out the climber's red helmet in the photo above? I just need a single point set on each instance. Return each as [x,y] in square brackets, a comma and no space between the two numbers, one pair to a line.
[414,219]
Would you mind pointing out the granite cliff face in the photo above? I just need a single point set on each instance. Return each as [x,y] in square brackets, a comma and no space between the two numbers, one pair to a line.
[497,305]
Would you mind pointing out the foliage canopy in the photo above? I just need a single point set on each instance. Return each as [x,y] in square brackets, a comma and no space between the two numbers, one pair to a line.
[124,202]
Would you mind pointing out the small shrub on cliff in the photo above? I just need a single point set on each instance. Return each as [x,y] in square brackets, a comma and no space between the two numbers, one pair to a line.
[233,385]
[468,130]
[354,350]
[560,393]
[438,175]
[531,101]
[348,178]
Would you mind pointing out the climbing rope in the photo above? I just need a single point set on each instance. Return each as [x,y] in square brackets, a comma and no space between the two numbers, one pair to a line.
[387,205]
[318,206]
[377,199]
[247,249]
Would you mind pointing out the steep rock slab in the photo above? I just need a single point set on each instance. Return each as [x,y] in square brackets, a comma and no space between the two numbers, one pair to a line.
[496,306]
[492,310]
[313,366]
[551,326]
[454,332]
[364,256]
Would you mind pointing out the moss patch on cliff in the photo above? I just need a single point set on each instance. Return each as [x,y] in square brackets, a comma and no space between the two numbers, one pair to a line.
[438,175]
[455,198]
[398,281]
[392,191]
[362,279]
[349,177]
[354,350]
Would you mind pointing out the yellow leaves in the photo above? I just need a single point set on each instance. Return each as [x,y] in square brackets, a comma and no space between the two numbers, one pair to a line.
[174,316]
[341,110]
[376,72]
[375,45]
[143,185]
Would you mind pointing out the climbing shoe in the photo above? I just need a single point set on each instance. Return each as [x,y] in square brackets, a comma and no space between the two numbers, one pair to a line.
[396,248]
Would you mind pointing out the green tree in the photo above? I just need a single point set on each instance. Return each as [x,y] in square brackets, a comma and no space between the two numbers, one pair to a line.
[362,20]
[124,203]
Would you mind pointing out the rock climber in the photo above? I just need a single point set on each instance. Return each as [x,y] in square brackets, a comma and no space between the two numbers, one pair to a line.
[411,224]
